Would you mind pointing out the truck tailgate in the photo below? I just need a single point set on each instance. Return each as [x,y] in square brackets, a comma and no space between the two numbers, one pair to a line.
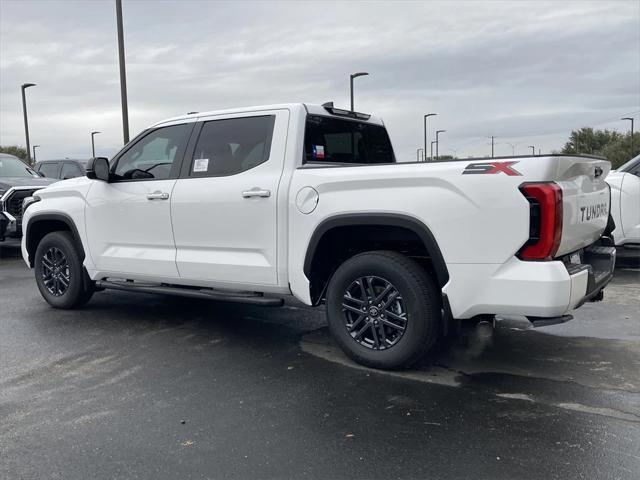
[585,200]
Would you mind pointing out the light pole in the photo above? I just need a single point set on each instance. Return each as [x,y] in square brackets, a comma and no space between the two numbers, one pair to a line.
[533,150]
[513,148]
[34,153]
[26,122]
[492,144]
[432,149]
[425,133]
[418,154]
[123,73]
[631,120]
[438,132]
[351,77]
[93,145]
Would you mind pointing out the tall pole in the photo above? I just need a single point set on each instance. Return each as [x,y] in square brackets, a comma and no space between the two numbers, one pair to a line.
[432,149]
[425,133]
[26,121]
[631,120]
[492,145]
[533,150]
[34,153]
[123,73]
[93,145]
[351,77]
[438,132]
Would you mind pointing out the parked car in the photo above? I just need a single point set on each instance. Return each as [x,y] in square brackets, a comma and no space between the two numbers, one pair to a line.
[306,200]
[62,169]
[625,208]
[17,181]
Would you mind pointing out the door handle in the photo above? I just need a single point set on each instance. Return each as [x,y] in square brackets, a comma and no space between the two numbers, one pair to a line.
[256,192]
[157,196]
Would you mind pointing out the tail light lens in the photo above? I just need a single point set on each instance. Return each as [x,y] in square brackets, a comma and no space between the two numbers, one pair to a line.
[545,231]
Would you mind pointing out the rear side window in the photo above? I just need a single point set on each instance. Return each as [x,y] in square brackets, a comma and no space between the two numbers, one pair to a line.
[335,140]
[231,146]
[49,169]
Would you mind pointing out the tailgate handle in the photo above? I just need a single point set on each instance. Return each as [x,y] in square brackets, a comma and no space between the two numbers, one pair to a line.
[598,171]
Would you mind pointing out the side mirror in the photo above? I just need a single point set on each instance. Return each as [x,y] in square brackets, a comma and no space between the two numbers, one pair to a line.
[98,169]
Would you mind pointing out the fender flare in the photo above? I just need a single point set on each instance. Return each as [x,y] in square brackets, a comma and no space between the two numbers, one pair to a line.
[60,217]
[383,219]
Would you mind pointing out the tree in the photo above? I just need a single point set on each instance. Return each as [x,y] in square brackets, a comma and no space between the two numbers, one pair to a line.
[15,151]
[614,146]
[589,141]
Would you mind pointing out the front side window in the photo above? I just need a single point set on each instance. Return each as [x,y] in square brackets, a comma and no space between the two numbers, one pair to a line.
[49,169]
[329,139]
[70,170]
[231,146]
[152,157]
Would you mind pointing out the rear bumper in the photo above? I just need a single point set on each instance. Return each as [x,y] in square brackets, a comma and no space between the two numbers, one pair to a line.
[537,290]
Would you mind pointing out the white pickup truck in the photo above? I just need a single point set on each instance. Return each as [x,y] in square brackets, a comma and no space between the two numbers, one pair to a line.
[253,204]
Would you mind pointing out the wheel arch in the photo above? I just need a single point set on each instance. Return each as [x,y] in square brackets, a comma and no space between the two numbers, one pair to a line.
[41,224]
[383,221]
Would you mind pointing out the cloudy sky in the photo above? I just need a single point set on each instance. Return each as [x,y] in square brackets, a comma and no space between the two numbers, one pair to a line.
[525,71]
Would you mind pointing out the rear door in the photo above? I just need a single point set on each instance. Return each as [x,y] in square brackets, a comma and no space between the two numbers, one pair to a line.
[128,220]
[224,206]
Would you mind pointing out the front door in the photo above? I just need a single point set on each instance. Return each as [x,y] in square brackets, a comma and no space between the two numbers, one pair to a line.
[224,206]
[128,220]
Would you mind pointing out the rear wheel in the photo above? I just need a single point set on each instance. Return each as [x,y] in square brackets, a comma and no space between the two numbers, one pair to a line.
[60,276]
[383,309]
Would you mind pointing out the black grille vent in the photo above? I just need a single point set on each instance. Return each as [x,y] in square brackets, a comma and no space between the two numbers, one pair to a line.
[13,204]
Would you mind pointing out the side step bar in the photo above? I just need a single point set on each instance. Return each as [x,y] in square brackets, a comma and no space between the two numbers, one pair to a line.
[546,321]
[208,294]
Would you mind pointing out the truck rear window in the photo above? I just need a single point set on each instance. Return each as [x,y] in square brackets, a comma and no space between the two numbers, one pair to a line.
[335,140]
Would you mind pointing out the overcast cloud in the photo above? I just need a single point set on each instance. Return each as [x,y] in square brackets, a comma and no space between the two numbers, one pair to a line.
[526,72]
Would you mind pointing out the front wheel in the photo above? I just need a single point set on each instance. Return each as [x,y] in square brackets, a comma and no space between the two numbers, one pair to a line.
[383,309]
[60,276]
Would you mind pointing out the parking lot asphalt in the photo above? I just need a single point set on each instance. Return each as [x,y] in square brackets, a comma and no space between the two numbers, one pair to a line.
[152,387]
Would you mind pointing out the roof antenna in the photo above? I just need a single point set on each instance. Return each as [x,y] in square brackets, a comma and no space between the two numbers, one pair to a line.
[328,105]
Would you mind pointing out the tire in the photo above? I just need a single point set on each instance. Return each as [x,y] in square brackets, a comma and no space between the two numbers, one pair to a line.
[418,302]
[59,262]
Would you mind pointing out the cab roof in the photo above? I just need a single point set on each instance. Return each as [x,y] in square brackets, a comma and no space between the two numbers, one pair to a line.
[312,109]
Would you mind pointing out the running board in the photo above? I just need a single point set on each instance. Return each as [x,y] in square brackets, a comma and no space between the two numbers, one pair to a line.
[221,296]
[546,321]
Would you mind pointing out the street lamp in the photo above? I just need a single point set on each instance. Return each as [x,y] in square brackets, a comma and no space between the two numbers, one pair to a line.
[493,143]
[351,77]
[93,145]
[418,154]
[425,133]
[34,153]
[533,150]
[631,120]
[438,132]
[432,149]
[26,122]
[123,73]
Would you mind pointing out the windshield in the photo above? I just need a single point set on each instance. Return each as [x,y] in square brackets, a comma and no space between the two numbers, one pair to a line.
[630,164]
[14,167]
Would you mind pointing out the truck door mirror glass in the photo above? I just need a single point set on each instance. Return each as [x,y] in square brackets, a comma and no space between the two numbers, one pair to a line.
[98,169]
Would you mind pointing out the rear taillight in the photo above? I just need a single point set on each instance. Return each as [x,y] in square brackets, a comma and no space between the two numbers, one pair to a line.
[545,231]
